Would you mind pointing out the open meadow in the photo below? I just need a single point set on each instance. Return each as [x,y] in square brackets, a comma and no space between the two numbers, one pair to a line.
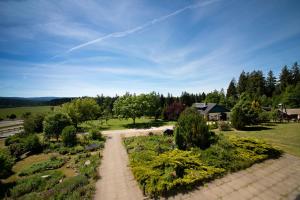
[18,111]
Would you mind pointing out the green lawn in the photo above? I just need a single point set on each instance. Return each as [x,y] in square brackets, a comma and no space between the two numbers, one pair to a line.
[285,136]
[20,110]
[120,124]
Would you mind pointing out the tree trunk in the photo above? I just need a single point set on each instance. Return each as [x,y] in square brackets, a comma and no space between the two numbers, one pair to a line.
[133,120]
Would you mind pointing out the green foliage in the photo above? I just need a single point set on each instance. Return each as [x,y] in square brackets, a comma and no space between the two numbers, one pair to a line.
[95,134]
[136,106]
[129,106]
[32,144]
[191,130]
[52,163]
[233,153]
[291,96]
[34,123]
[19,144]
[19,111]
[12,116]
[54,123]
[264,117]
[65,189]
[36,183]
[88,165]
[6,163]
[69,136]
[224,126]
[244,113]
[171,171]
[162,170]
[81,109]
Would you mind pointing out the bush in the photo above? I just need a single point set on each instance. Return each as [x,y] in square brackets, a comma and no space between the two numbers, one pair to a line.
[89,170]
[95,134]
[191,130]
[12,116]
[19,144]
[36,183]
[166,171]
[224,126]
[32,144]
[233,153]
[54,123]
[172,112]
[264,117]
[213,125]
[65,189]
[172,170]
[13,139]
[34,123]
[69,136]
[52,163]
[6,163]
[244,113]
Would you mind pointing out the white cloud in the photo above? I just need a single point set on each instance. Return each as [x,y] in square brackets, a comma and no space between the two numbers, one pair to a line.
[141,27]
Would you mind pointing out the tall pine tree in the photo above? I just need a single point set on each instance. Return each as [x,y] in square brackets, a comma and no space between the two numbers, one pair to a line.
[270,84]
[285,78]
[295,74]
[243,82]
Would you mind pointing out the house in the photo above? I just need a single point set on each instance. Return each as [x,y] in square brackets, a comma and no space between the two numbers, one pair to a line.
[212,111]
[293,113]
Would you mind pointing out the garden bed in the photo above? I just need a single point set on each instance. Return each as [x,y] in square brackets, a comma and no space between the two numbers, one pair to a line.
[161,169]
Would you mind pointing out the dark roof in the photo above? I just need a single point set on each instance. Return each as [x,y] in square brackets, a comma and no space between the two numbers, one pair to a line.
[206,108]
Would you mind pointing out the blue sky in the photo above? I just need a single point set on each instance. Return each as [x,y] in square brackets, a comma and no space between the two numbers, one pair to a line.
[77,48]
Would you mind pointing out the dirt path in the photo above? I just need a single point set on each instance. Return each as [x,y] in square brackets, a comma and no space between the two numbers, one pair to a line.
[117,181]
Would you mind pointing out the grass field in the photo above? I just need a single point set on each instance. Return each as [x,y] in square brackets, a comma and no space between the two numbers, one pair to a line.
[285,136]
[20,110]
[120,124]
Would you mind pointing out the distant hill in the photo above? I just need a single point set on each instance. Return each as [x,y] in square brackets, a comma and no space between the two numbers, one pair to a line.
[10,102]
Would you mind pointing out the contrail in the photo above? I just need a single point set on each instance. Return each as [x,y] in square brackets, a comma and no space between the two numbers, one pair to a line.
[141,27]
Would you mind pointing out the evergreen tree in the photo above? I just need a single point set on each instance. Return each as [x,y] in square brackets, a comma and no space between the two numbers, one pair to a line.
[285,78]
[270,84]
[232,90]
[295,74]
[243,82]
[256,84]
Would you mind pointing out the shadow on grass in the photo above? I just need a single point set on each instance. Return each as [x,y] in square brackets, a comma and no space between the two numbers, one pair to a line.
[150,124]
[4,188]
[256,128]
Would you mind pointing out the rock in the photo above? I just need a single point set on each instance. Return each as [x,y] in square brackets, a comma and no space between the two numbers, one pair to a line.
[88,162]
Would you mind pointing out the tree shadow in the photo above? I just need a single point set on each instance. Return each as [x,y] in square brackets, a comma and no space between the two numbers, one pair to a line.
[150,124]
[4,188]
[256,128]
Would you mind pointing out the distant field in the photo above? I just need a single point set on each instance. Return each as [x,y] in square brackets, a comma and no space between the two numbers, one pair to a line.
[20,110]
[285,136]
